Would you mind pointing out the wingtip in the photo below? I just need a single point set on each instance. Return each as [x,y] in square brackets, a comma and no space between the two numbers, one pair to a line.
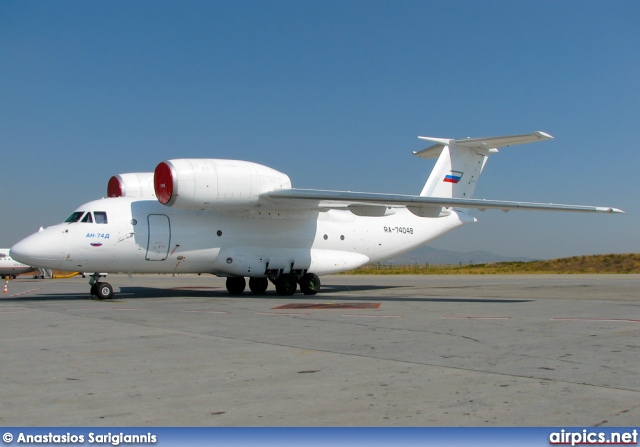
[611,210]
[543,135]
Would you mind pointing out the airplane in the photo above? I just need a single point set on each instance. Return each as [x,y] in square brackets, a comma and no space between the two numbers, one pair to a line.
[10,268]
[238,219]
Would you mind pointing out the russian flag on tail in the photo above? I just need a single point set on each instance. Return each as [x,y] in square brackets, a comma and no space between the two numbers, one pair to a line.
[453,177]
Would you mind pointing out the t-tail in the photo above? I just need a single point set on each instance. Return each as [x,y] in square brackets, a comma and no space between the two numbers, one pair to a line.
[460,162]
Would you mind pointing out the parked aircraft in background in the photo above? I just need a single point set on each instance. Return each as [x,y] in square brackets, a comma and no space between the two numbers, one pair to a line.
[10,268]
[238,219]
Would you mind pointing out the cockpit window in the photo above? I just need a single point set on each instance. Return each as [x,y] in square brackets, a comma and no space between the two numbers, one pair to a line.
[3,255]
[75,216]
[101,217]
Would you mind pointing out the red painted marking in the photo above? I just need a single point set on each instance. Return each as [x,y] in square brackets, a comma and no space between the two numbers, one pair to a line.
[163,183]
[280,313]
[25,292]
[329,306]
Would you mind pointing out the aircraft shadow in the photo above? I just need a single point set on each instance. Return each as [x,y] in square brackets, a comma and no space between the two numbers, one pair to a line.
[332,292]
[46,297]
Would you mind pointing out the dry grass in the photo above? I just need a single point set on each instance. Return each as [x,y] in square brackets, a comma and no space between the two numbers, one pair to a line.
[626,263]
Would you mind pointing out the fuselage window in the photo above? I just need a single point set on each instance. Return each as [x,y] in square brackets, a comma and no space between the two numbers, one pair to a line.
[101,217]
[75,216]
[88,218]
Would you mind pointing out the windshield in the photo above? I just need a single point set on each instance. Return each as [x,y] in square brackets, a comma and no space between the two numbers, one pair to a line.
[101,217]
[75,216]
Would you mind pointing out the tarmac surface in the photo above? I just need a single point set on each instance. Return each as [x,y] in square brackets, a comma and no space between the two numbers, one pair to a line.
[516,350]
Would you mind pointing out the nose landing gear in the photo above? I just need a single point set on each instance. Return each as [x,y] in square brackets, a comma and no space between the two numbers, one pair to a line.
[102,290]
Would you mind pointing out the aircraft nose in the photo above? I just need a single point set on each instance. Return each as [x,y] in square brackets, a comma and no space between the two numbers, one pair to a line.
[42,249]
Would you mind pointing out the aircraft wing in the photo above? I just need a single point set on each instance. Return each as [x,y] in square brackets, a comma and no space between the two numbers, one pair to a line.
[322,199]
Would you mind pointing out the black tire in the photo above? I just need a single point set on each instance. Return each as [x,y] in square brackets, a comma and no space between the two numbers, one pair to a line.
[103,290]
[286,285]
[258,285]
[310,284]
[236,285]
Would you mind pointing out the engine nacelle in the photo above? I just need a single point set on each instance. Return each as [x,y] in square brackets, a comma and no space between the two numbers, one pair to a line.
[135,184]
[202,184]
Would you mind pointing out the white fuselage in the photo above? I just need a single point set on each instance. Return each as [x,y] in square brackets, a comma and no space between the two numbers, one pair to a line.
[144,236]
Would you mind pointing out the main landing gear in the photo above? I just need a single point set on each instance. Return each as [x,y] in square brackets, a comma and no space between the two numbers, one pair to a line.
[102,290]
[286,284]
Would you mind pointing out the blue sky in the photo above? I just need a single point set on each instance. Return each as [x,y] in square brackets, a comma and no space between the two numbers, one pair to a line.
[333,93]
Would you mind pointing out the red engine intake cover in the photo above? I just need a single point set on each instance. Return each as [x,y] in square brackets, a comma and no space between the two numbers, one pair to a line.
[114,187]
[163,183]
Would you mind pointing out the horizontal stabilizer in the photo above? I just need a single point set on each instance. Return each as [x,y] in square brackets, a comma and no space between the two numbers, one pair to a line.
[479,144]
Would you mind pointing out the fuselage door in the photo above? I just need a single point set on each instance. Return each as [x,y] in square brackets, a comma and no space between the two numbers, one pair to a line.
[159,237]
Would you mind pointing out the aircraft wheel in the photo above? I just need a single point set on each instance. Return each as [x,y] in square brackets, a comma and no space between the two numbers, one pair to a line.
[258,285]
[102,290]
[286,285]
[236,285]
[310,284]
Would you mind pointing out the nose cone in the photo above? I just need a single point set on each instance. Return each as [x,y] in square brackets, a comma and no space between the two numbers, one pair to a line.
[42,249]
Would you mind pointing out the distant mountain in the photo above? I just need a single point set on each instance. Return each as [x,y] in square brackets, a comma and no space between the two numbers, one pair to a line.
[430,255]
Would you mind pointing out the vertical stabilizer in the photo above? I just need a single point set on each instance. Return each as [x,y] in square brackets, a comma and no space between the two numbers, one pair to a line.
[460,162]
